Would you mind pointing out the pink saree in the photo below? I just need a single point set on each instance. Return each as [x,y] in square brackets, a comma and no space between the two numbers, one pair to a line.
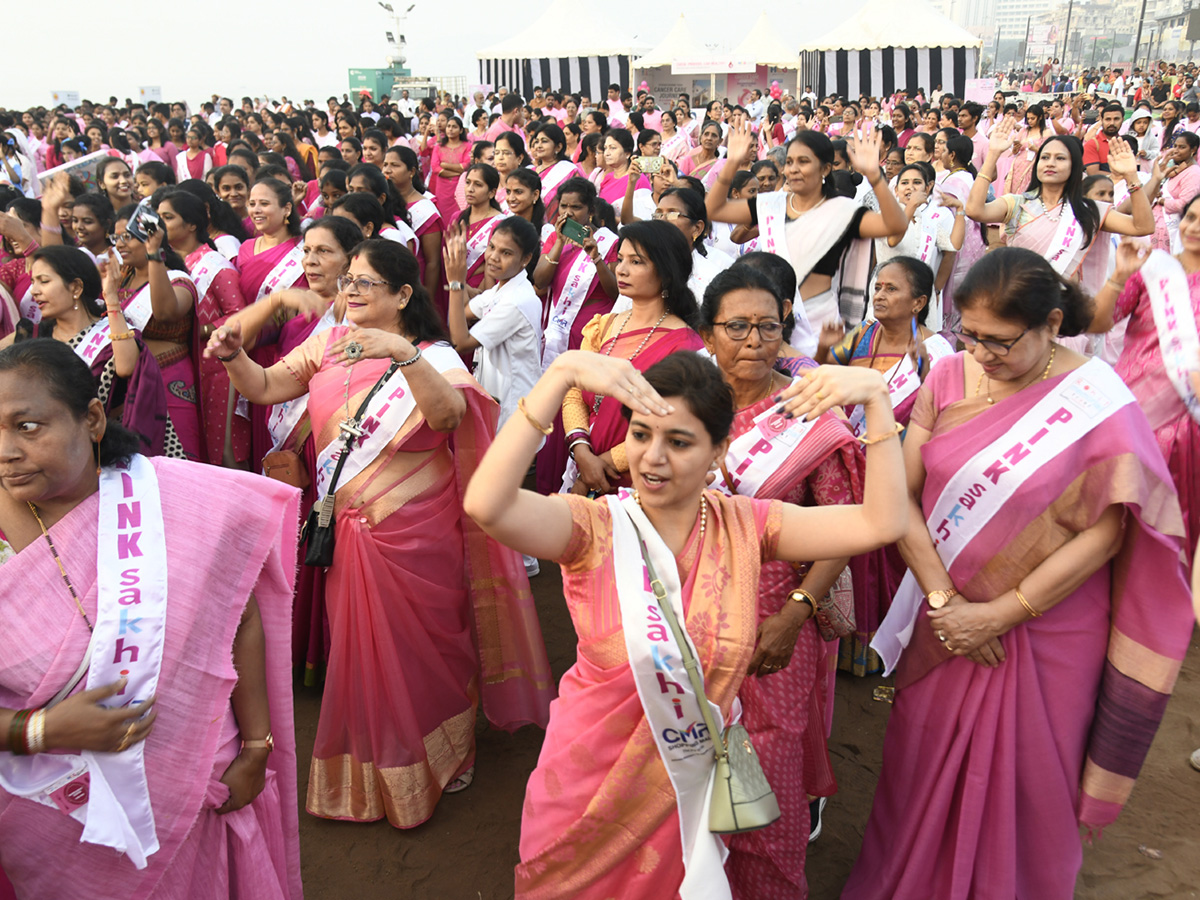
[1141,368]
[423,610]
[251,526]
[226,435]
[600,817]
[988,773]
[253,270]
[785,712]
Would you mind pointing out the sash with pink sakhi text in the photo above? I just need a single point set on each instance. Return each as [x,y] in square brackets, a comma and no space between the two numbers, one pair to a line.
[979,490]
[1175,321]
[670,703]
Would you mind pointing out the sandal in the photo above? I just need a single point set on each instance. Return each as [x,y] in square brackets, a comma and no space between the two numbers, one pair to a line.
[461,783]
[1195,760]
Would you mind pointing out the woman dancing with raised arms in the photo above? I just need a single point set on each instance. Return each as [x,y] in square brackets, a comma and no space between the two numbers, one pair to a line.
[601,817]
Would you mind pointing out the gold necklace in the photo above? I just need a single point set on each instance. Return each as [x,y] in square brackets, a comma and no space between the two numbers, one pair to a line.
[62,571]
[608,352]
[1044,376]
[703,512]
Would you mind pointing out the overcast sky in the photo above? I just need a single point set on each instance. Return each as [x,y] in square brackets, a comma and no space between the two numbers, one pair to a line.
[302,48]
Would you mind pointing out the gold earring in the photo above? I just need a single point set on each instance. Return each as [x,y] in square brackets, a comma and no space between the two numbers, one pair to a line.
[96,453]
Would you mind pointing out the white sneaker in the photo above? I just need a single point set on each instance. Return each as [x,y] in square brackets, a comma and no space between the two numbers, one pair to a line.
[532,567]
[1195,760]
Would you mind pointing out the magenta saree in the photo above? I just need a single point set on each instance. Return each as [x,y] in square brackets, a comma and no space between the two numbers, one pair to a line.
[258,277]
[988,773]
[250,524]
[785,711]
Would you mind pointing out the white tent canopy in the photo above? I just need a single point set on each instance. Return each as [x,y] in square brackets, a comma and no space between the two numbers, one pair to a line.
[884,24]
[679,44]
[888,46]
[764,46]
[586,59]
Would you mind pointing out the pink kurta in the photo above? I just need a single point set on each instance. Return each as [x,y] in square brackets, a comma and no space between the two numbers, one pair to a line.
[444,185]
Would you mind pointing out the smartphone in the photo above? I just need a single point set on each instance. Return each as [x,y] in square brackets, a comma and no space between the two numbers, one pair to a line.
[650,165]
[144,222]
[575,233]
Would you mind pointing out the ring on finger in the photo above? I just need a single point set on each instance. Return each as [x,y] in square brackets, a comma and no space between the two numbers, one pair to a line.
[941,636]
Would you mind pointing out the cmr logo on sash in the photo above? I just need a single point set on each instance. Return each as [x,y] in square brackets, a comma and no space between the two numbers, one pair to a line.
[692,736]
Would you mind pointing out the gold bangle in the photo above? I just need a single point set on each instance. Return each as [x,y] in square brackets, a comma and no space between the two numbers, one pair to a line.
[803,597]
[121,336]
[547,430]
[984,177]
[1033,613]
[868,441]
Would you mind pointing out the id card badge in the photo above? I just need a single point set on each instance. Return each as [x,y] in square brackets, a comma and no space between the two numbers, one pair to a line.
[72,792]
[1031,155]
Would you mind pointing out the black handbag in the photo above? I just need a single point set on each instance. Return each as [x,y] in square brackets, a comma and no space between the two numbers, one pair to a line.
[318,528]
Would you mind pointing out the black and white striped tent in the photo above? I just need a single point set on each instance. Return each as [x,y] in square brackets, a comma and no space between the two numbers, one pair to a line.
[880,73]
[590,53]
[888,46]
[587,75]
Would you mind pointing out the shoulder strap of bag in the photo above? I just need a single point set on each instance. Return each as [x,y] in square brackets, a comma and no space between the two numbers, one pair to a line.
[689,659]
[348,435]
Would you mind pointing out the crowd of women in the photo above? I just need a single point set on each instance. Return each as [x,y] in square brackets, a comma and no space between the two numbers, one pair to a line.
[885,385]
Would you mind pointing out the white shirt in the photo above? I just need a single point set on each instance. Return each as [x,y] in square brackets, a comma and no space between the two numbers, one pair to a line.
[508,362]
[755,109]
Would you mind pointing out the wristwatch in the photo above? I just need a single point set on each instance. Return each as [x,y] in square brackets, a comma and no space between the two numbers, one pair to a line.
[938,599]
[456,286]
[267,743]
[156,256]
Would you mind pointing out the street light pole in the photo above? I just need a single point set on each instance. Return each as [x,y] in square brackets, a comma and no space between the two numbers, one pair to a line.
[1025,49]
[1067,35]
[1137,42]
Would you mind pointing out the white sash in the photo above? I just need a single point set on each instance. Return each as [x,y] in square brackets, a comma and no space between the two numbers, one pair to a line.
[1171,219]
[477,244]
[1171,303]
[284,417]
[29,309]
[755,456]
[138,308]
[671,706]
[387,412]
[206,270]
[554,177]
[574,291]
[927,248]
[286,270]
[902,380]
[823,226]
[95,339]
[421,212]
[107,792]
[1067,240]
[980,489]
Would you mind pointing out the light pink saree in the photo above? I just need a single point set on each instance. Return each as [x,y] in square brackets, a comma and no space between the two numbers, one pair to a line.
[246,543]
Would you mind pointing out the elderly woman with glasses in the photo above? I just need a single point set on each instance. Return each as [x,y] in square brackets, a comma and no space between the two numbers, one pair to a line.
[815,463]
[412,580]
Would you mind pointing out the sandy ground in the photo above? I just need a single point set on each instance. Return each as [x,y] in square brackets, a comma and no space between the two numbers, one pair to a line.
[468,849]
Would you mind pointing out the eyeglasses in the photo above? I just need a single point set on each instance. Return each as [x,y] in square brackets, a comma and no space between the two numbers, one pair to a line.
[739,329]
[999,348]
[361,285]
[121,238]
[670,215]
